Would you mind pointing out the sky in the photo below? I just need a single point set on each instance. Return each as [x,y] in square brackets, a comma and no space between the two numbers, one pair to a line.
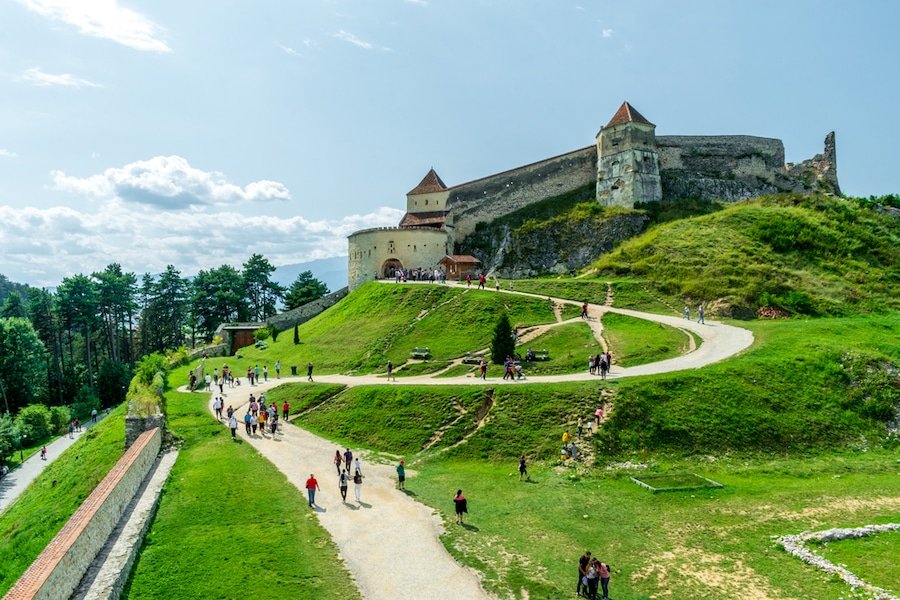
[198,133]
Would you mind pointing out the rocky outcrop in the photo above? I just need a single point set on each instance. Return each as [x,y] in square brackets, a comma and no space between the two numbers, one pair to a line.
[560,245]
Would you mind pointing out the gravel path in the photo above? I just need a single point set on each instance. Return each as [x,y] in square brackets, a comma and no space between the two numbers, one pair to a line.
[388,541]
[17,480]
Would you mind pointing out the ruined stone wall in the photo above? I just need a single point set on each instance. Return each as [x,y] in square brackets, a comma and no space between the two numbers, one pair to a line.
[819,173]
[56,572]
[304,313]
[488,198]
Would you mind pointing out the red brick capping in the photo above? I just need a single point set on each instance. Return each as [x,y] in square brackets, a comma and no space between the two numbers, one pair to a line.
[58,569]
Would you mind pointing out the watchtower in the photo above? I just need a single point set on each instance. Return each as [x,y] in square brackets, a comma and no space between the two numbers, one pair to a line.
[627,160]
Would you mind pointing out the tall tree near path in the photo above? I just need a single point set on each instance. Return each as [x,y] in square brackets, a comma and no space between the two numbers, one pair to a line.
[22,364]
[79,302]
[218,296]
[305,289]
[262,293]
[502,344]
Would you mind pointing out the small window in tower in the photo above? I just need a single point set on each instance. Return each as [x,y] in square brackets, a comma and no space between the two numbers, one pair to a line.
[391,247]
[426,201]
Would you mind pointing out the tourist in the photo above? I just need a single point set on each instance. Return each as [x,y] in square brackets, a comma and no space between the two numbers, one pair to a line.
[263,415]
[390,371]
[208,382]
[311,486]
[482,366]
[256,373]
[250,375]
[232,425]
[565,439]
[583,563]
[687,313]
[343,479]
[217,407]
[591,579]
[357,466]
[230,411]
[603,366]
[468,280]
[584,311]
[192,382]
[580,426]
[309,370]
[71,429]
[700,313]
[348,459]
[216,375]
[608,360]
[43,452]
[603,572]
[277,369]
[285,410]
[357,486]
[247,419]
[94,416]
[573,450]
[265,373]
[401,475]
[254,423]
[462,506]
[592,364]
[598,414]
[590,428]
[481,281]
[523,469]
[338,461]
[273,425]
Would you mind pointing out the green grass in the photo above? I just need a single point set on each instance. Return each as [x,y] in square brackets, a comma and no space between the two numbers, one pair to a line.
[42,510]
[421,368]
[634,341]
[569,346]
[529,535]
[675,482]
[874,558]
[459,371]
[301,396]
[229,524]
[810,255]
[627,293]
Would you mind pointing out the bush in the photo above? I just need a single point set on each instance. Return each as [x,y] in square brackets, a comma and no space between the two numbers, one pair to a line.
[33,422]
[60,417]
[147,368]
[85,401]
[262,334]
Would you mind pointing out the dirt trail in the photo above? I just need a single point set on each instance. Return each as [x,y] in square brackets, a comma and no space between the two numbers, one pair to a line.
[389,541]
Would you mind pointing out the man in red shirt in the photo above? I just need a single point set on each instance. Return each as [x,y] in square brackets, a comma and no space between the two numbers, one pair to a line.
[311,486]
[284,410]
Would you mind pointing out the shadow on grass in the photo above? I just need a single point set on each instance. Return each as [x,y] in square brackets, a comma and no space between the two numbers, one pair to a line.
[409,493]
[530,480]
[468,527]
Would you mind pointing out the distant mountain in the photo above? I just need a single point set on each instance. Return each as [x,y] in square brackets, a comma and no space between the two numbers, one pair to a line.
[333,271]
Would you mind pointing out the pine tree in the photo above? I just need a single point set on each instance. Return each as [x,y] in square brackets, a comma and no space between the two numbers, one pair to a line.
[502,345]
[296,334]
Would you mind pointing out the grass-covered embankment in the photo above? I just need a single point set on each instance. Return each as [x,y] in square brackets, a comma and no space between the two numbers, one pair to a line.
[634,341]
[568,346]
[301,397]
[42,510]
[230,525]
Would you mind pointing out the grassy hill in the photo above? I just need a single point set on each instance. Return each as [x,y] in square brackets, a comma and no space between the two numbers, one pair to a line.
[809,255]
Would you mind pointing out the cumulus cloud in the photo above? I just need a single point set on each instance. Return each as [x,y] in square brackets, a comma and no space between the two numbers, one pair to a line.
[607,33]
[4,153]
[103,19]
[168,182]
[36,76]
[41,246]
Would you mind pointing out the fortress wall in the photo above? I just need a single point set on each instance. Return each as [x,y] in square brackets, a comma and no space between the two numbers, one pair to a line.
[302,314]
[56,572]
[497,195]
[414,247]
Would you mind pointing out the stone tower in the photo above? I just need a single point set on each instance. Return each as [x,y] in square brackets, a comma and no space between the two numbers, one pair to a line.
[627,160]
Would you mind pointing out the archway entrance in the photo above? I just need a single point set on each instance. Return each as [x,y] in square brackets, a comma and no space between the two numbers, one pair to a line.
[390,267]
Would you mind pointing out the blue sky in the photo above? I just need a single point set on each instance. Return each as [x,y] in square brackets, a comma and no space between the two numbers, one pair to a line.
[197,133]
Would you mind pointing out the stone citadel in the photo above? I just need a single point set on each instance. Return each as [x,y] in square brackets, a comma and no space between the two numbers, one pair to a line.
[628,164]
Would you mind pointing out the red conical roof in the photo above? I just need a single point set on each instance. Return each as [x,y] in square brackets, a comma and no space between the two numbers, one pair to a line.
[627,114]
[430,183]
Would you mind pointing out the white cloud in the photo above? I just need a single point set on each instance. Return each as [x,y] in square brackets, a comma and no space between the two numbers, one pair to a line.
[168,182]
[607,33]
[103,19]
[35,76]
[4,153]
[288,50]
[41,246]
[417,2]
[352,39]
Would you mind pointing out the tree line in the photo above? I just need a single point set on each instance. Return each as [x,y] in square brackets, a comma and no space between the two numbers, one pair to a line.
[78,345]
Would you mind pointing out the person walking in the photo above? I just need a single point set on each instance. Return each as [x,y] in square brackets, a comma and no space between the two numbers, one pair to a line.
[462,506]
[583,562]
[701,319]
[44,453]
[338,461]
[94,416]
[584,311]
[565,439]
[401,475]
[348,459]
[309,370]
[265,373]
[247,419]
[311,486]
[343,481]
[232,425]
[357,486]
[482,366]
[256,373]
[277,369]
[687,312]
[390,371]
[254,423]
[285,410]
[357,466]
[603,572]
[523,469]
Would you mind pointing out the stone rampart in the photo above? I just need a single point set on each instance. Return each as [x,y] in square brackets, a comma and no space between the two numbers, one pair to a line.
[304,313]
[489,198]
[57,571]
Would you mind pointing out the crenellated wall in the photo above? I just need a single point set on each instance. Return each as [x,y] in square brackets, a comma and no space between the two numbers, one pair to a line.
[497,195]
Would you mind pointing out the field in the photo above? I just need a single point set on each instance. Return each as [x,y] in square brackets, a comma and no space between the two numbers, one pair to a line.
[874,558]
[635,341]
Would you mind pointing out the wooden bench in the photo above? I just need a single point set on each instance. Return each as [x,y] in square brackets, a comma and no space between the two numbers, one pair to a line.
[422,353]
[541,355]
[472,359]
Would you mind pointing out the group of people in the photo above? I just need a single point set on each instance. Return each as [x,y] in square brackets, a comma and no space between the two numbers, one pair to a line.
[404,275]
[700,314]
[591,573]
[512,369]
[600,364]
[343,463]
[259,416]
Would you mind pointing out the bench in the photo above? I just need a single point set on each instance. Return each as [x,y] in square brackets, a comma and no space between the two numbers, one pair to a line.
[472,359]
[540,355]
[261,345]
[422,353]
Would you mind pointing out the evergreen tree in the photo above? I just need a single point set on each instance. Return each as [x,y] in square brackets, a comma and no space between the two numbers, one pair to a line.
[502,344]
[262,293]
[218,297]
[79,305]
[296,335]
[13,306]
[45,320]
[305,289]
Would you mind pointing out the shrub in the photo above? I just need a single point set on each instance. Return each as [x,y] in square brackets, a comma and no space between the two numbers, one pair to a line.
[147,368]
[33,422]
[261,334]
[60,417]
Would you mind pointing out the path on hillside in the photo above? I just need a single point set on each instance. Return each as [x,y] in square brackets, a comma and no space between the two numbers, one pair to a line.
[17,480]
[389,541]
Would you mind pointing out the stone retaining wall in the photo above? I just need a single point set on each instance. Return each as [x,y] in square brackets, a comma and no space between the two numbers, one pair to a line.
[57,571]
[304,313]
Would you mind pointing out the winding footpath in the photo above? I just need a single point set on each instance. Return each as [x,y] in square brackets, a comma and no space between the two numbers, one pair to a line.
[389,542]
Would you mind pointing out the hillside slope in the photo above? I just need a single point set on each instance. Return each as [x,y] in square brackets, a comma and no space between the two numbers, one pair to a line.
[796,254]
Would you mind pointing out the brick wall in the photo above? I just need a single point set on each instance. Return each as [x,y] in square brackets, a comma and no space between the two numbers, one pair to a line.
[56,572]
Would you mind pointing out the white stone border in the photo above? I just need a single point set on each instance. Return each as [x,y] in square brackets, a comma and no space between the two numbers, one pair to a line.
[795,545]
